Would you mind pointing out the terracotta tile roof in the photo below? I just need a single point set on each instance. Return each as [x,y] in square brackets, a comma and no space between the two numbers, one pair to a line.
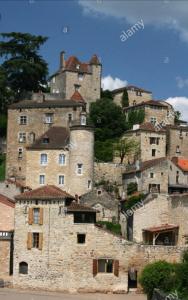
[77,97]
[7,201]
[163,227]
[47,192]
[73,64]
[130,87]
[145,165]
[147,103]
[54,138]
[148,127]
[46,104]
[181,163]
[73,207]
[94,60]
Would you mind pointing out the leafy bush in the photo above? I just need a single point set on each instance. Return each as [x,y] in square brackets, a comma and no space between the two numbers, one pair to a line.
[132,187]
[115,228]
[132,201]
[2,167]
[160,275]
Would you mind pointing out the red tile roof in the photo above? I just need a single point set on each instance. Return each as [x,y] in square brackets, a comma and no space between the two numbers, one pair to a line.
[77,97]
[94,60]
[79,207]
[148,127]
[181,163]
[7,201]
[47,192]
[163,227]
[73,64]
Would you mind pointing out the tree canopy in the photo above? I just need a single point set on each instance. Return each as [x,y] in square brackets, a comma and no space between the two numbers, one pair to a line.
[22,69]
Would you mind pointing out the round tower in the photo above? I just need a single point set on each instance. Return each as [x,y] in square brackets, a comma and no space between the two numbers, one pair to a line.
[81,157]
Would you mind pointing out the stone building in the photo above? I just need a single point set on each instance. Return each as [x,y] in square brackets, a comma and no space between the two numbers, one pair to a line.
[106,205]
[73,75]
[62,157]
[6,236]
[177,141]
[28,120]
[159,113]
[136,95]
[85,258]
[167,226]
[151,142]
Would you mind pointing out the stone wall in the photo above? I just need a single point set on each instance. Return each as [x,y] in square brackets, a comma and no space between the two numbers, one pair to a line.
[177,141]
[4,259]
[111,172]
[64,265]
[133,98]
[9,190]
[6,217]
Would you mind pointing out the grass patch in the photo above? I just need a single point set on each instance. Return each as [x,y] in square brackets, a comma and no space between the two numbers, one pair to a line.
[2,166]
[115,228]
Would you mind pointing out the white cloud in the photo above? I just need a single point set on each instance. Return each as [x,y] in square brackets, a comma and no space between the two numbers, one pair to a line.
[180,104]
[109,83]
[181,82]
[160,13]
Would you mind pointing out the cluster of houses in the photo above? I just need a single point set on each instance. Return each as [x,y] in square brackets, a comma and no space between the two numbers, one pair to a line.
[53,196]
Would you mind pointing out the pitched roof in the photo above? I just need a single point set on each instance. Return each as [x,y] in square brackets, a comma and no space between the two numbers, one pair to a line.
[47,192]
[46,104]
[147,126]
[54,138]
[130,87]
[145,165]
[147,103]
[163,227]
[94,60]
[7,201]
[105,199]
[74,207]
[73,64]
[182,163]
[77,97]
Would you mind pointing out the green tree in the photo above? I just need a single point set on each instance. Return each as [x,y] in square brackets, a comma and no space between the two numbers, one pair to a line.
[23,69]
[135,117]
[106,94]
[108,119]
[125,99]
[124,147]
[104,150]
[177,116]
[3,125]
[160,275]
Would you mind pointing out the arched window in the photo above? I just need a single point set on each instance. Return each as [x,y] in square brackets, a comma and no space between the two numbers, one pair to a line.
[23,268]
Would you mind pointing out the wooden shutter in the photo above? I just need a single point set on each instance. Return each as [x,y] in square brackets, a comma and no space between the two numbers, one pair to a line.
[40,240]
[41,217]
[116,268]
[29,240]
[30,221]
[95,267]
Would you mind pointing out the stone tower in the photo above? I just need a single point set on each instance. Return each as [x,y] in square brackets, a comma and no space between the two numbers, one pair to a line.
[74,75]
[81,158]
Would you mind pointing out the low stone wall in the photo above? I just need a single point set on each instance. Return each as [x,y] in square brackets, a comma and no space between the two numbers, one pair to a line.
[109,172]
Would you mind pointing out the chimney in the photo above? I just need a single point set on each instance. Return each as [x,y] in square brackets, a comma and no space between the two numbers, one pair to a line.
[62,59]
[38,97]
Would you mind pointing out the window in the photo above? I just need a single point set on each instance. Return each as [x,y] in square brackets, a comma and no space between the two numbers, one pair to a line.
[20,153]
[178,149]
[76,87]
[177,177]
[105,266]
[81,238]
[35,240]
[23,268]
[45,140]
[89,184]
[48,118]
[79,169]
[62,159]
[83,120]
[42,179]
[138,93]
[134,102]
[69,117]
[84,217]
[43,159]
[151,175]
[23,120]
[61,179]
[153,120]
[154,140]
[153,152]
[32,137]
[22,137]
[36,215]
[80,76]
[99,192]
[53,79]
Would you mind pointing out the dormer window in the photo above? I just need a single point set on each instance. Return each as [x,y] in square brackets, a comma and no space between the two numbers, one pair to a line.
[45,140]
[78,67]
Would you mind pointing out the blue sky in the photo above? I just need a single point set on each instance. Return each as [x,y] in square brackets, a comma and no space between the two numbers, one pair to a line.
[154,57]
